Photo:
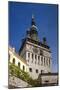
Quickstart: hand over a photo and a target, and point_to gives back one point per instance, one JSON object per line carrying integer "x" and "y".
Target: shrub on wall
{"x": 16, "y": 71}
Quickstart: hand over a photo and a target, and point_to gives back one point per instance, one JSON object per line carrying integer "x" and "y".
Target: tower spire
{"x": 33, "y": 20}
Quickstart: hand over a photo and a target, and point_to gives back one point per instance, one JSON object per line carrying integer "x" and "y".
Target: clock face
{"x": 29, "y": 47}
{"x": 35, "y": 50}
{"x": 41, "y": 52}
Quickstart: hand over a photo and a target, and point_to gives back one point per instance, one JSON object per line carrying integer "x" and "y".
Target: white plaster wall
{"x": 34, "y": 66}
{"x": 17, "y": 60}
{"x": 46, "y": 68}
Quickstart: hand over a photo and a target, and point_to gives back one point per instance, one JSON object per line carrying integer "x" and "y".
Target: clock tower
{"x": 36, "y": 53}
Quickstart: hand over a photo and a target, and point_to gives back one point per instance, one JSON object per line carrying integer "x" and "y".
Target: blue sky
{"x": 46, "y": 18}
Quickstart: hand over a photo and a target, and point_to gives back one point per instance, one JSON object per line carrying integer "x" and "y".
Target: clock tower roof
{"x": 32, "y": 36}
{"x": 33, "y": 33}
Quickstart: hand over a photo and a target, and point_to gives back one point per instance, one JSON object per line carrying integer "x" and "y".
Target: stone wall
{"x": 17, "y": 83}
{"x": 49, "y": 78}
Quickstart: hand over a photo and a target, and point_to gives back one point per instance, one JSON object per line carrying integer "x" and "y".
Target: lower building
{"x": 45, "y": 79}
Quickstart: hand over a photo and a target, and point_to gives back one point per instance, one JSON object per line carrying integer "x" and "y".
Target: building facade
{"x": 36, "y": 53}
{"x": 34, "y": 57}
{"x": 17, "y": 60}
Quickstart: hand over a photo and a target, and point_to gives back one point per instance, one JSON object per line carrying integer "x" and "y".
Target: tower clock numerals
{"x": 29, "y": 47}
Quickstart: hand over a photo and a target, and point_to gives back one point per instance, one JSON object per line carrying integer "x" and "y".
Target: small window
{"x": 28, "y": 55}
{"x": 23, "y": 68}
{"x": 19, "y": 64}
{"x": 46, "y": 81}
{"x": 38, "y": 57}
{"x": 30, "y": 69}
{"x": 42, "y": 71}
{"x": 8, "y": 56}
{"x": 32, "y": 55}
{"x": 41, "y": 60}
{"x": 13, "y": 60}
{"x": 44, "y": 60}
{"x": 35, "y": 56}
{"x": 36, "y": 70}
{"x": 49, "y": 61}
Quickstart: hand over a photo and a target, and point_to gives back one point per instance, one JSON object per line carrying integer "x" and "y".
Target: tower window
{"x": 35, "y": 56}
{"x": 28, "y": 55}
{"x": 49, "y": 61}
{"x": 32, "y": 55}
{"x": 42, "y": 71}
{"x": 41, "y": 60}
{"x": 38, "y": 57}
{"x": 13, "y": 60}
{"x": 19, "y": 64}
{"x": 44, "y": 60}
{"x": 36, "y": 70}
{"x": 30, "y": 69}
{"x": 8, "y": 56}
{"x": 23, "y": 68}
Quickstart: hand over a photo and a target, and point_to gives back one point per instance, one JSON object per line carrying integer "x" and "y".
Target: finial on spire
{"x": 32, "y": 16}
{"x": 33, "y": 20}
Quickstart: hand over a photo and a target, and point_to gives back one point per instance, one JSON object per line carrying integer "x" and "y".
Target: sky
{"x": 46, "y": 18}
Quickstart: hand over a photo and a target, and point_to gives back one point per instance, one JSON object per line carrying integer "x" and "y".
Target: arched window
{"x": 23, "y": 68}
{"x": 44, "y": 60}
{"x": 38, "y": 59}
{"x": 32, "y": 55}
{"x": 13, "y": 60}
{"x": 41, "y": 60}
{"x": 42, "y": 71}
{"x": 36, "y": 70}
{"x": 49, "y": 61}
{"x": 30, "y": 69}
{"x": 28, "y": 55}
{"x": 8, "y": 56}
{"x": 35, "y": 56}
{"x": 19, "y": 64}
